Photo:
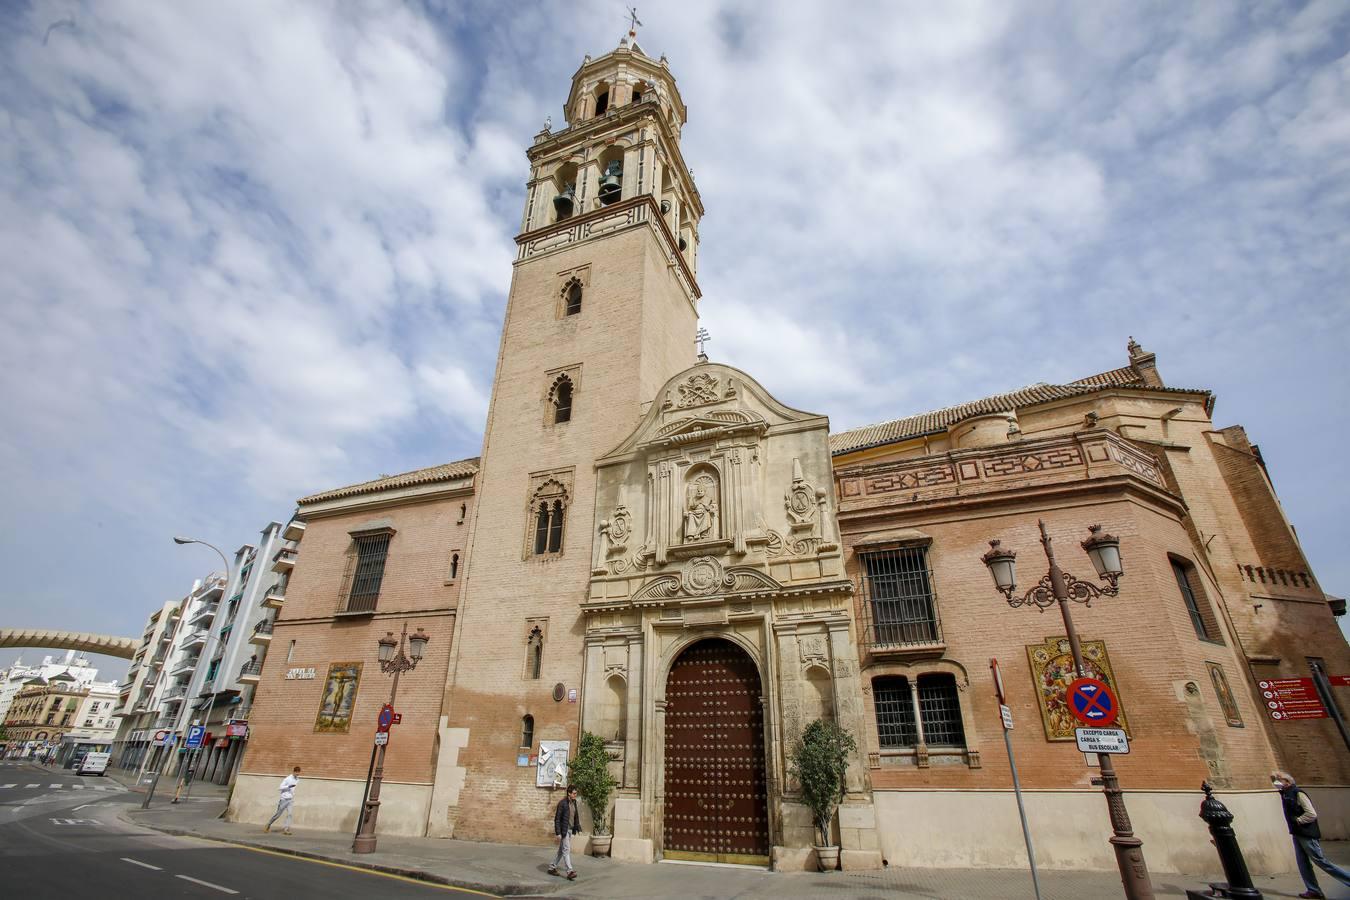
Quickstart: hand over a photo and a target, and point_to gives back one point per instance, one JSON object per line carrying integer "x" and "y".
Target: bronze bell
{"x": 565, "y": 202}
{"x": 683, "y": 246}
{"x": 611, "y": 184}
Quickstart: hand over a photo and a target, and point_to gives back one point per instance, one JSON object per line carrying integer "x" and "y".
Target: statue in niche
{"x": 700, "y": 512}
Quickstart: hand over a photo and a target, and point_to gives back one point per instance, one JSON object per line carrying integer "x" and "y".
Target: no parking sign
{"x": 1092, "y": 703}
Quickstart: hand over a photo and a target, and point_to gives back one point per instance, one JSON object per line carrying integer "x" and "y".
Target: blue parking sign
{"x": 195, "y": 735}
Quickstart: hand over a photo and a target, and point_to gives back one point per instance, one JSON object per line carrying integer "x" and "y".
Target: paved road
{"x": 60, "y": 836}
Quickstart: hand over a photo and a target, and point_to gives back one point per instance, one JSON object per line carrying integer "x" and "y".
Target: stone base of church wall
{"x": 1069, "y": 830}
{"x": 331, "y": 804}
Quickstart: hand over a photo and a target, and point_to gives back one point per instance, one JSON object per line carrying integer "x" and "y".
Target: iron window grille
{"x": 372, "y": 552}
{"x": 900, "y": 607}
{"x": 940, "y": 711}
{"x": 895, "y": 712}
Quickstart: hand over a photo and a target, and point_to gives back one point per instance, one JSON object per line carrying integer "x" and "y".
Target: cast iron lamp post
{"x": 1059, "y": 587}
{"x": 392, "y": 660}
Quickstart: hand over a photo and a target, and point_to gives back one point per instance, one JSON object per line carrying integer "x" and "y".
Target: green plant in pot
{"x": 589, "y": 772}
{"x": 819, "y": 763}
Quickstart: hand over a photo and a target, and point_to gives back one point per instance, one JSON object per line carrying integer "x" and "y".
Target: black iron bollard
{"x": 1220, "y": 822}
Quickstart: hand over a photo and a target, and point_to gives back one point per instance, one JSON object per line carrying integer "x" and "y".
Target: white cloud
{"x": 248, "y": 251}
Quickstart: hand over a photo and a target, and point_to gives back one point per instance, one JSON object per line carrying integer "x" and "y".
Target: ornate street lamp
{"x": 1059, "y": 587}
{"x": 392, "y": 661}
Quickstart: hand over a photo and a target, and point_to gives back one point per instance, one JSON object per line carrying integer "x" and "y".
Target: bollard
{"x": 1220, "y": 822}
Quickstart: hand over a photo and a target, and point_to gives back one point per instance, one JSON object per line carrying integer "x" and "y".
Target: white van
{"x": 95, "y": 764}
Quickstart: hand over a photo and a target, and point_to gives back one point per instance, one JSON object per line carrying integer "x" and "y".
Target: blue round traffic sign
{"x": 1091, "y": 702}
{"x": 386, "y": 717}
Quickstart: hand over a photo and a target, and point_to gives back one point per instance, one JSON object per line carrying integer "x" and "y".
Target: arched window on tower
{"x": 601, "y": 98}
{"x": 561, "y": 398}
{"x": 555, "y": 527}
{"x": 572, "y": 298}
{"x": 534, "y": 654}
{"x": 526, "y": 731}
{"x": 548, "y": 508}
{"x": 541, "y": 530}
{"x": 454, "y": 566}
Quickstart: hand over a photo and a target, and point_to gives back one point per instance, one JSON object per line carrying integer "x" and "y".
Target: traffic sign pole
{"x": 1324, "y": 689}
{"x": 1006, "y": 723}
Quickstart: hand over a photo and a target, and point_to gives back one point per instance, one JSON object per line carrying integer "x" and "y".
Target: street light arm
{"x": 1042, "y": 596}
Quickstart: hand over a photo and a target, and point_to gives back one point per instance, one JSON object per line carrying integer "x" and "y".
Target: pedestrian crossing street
{"x": 107, "y": 788}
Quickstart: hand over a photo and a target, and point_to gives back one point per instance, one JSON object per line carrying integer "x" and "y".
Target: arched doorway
{"x": 715, "y": 793}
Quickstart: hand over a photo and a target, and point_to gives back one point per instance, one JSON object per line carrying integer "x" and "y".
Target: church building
{"x": 654, "y": 549}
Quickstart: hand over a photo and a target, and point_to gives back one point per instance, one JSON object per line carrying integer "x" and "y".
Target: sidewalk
{"x": 512, "y": 870}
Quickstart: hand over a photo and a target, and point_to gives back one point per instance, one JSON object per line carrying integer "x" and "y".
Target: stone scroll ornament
{"x": 700, "y": 514}
{"x": 699, "y": 389}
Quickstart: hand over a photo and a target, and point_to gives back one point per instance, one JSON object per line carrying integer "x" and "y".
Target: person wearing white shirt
{"x": 286, "y": 803}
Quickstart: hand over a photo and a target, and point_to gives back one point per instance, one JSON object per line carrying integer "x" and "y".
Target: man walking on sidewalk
{"x": 566, "y": 822}
{"x": 1302, "y": 820}
{"x": 286, "y": 803}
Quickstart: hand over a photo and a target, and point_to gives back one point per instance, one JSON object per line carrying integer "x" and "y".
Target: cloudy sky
{"x": 253, "y": 250}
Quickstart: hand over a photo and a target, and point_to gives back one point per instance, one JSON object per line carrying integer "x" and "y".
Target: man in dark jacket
{"x": 566, "y": 822}
{"x": 1302, "y": 819}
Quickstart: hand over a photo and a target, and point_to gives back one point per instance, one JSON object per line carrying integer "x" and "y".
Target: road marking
{"x": 32, "y": 785}
{"x": 335, "y": 865}
{"x": 77, "y": 787}
{"x": 9, "y": 785}
{"x": 137, "y": 862}
{"x": 223, "y": 890}
{"x": 83, "y": 806}
{"x": 57, "y": 785}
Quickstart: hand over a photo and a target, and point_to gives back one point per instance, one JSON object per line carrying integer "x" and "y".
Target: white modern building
{"x": 233, "y": 638}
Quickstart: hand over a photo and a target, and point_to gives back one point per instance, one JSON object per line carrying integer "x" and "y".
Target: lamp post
{"x": 206, "y": 649}
{"x": 392, "y": 661}
{"x": 1058, "y": 587}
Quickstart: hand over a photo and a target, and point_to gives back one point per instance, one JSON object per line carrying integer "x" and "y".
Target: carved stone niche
{"x": 702, "y": 514}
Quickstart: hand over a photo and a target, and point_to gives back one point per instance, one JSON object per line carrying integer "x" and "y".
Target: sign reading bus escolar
{"x": 1102, "y": 740}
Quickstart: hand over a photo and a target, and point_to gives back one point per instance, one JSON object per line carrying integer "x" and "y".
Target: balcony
{"x": 195, "y": 640}
{"x": 275, "y": 596}
{"x": 175, "y": 692}
{"x": 262, "y": 633}
{"x": 284, "y": 561}
{"x": 294, "y": 531}
{"x": 185, "y": 666}
{"x": 250, "y": 673}
{"x": 204, "y": 614}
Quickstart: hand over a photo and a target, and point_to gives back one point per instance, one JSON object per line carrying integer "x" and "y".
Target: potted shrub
{"x": 589, "y": 773}
{"x": 819, "y": 761}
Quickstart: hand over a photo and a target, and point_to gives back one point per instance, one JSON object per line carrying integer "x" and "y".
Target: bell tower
{"x": 602, "y": 311}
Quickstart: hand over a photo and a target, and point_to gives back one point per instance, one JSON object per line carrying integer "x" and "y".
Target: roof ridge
{"x": 439, "y": 472}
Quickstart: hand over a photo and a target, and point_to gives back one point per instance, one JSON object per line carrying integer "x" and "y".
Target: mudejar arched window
{"x": 562, "y": 400}
{"x": 548, "y": 511}
{"x": 572, "y": 298}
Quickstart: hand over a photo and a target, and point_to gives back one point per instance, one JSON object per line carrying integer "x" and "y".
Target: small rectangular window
{"x": 895, "y": 713}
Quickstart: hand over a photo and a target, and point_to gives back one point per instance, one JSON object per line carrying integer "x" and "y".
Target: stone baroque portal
{"x": 719, "y": 608}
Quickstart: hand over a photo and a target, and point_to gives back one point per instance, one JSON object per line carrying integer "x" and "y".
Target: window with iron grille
{"x": 1197, "y": 607}
{"x": 895, "y": 712}
{"x": 372, "y": 551}
{"x": 940, "y": 711}
{"x": 901, "y": 607}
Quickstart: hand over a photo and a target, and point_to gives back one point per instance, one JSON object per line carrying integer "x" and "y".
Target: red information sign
{"x": 1339, "y": 680}
{"x": 1291, "y": 698}
{"x": 1092, "y": 703}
